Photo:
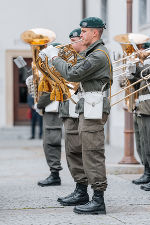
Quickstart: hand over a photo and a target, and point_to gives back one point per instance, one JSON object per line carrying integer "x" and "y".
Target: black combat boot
{"x": 145, "y": 187}
{"x": 95, "y": 206}
{"x": 145, "y": 178}
{"x": 60, "y": 199}
{"x": 78, "y": 197}
{"x": 52, "y": 180}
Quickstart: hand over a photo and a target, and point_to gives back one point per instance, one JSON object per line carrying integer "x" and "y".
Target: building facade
{"x": 61, "y": 17}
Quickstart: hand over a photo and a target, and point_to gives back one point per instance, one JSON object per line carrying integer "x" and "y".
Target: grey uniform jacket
{"x": 93, "y": 72}
{"x": 144, "y": 106}
{"x": 64, "y": 106}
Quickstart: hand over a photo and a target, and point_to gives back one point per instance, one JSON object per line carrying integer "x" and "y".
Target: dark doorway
{"x": 20, "y": 94}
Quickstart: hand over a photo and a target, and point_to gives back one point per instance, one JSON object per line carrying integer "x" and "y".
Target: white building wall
{"x": 93, "y": 8}
{"x": 16, "y": 16}
{"x": 62, "y": 16}
{"x": 117, "y": 25}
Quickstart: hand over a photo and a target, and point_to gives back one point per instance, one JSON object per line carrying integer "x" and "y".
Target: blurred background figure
{"x": 35, "y": 118}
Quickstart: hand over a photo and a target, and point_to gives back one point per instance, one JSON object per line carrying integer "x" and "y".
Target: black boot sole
{"x": 145, "y": 189}
{"x": 140, "y": 183}
{"x": 73, "y": 203}
{"x": 46, "y": 185}
{"x": 90, "y": 213}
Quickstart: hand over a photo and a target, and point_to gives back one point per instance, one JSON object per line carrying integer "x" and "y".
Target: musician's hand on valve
{"x": 39, "y": 111}
{"x": 42, "y": 55}
{"x": 130, "y": 69}
{"x": 142, "y": 55}
{"x": 51, "y": 52}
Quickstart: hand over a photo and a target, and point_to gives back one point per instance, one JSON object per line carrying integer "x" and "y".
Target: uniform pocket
{"x": 71, "y": 124}
{"x": 53, "y": 136}
{"x": 73, "y": 142}
{"x": 93, "y": 140}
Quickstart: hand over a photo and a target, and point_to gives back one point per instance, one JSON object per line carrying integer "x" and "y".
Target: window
{"x": 142, "y": 12}
{"x": 104, "y": 10}
{"x": 104, "y": 16}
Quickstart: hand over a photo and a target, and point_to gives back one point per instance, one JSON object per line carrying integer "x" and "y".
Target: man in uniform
{"x": 94, "y": 73}
{"x": 52, "y": 134}
{"x": 73, "y": 146}
{"x": 143, "y": 122}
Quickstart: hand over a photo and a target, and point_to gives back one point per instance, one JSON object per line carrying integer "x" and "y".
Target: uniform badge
{"x": 84, "y": 24}
{"x": 75, "y": 34}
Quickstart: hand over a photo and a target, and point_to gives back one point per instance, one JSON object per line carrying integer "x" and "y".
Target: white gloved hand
{"x": 39, "y": 111}
{"x": 50, "y": 52}
{"x": 30, "y": 85}
{"x": 42, "y": 55}
{"x": 29, "y": 80}
{"x": 130, "y": 68}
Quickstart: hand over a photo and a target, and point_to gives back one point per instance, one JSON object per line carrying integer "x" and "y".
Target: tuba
{"x": 38, "y": 39}
{"x": 130, "y": 43}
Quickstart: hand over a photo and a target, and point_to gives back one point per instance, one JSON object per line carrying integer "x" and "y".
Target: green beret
{"x": 75, "y": 33}
{"x": 55, "y": 44}
{"x": 92, "y": 22}
{"x": 146, "y": 45}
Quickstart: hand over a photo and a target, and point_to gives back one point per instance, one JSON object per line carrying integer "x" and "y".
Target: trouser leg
{"x": 146, "y": 135}
{"x": 52, "y": 135}
{"x": 40, "y": 120}
{"x": 138, "y": 136}
{"x": 141, "y": 135}
{"x": 92, "y": 137}
{"x": 73, "y": 150}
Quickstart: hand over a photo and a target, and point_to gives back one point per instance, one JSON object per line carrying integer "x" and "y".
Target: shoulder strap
{"x": 109, "y": 66}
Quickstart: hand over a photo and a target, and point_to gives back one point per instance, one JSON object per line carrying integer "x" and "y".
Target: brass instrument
{"x": 61, "y": 89}
{"x": 128, "y": 48}
{"x": 130, "y": 86}
{"x": 38, "y": 38}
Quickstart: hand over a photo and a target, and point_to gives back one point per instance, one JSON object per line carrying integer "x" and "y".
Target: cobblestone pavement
{"x": 22, "y": 202}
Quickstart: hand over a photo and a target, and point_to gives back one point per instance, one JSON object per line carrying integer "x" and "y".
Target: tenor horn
{"x": 61, "y": 89}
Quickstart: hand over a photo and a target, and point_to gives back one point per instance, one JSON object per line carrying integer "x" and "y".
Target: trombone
{"x": 130, "y": 56}
{"x": 130, "y": 86}
{"x": 128, "y": 43}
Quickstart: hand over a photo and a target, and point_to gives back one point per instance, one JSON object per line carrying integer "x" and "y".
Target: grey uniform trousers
{"x": 146, "y": 134}
{"x": 52, "y": 134}
{"x": 139, "y": 138}
{"x": 73, "y": 150}
{"x": 87, "y": 163}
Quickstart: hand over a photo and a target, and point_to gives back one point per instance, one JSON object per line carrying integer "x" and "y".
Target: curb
{"x": 124, "y": 169}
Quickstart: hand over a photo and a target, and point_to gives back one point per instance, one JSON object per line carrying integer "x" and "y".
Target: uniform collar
{"x": 98, "y": 42}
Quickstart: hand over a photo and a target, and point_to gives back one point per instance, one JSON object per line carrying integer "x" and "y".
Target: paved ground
{"x": 22, "y": 202}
